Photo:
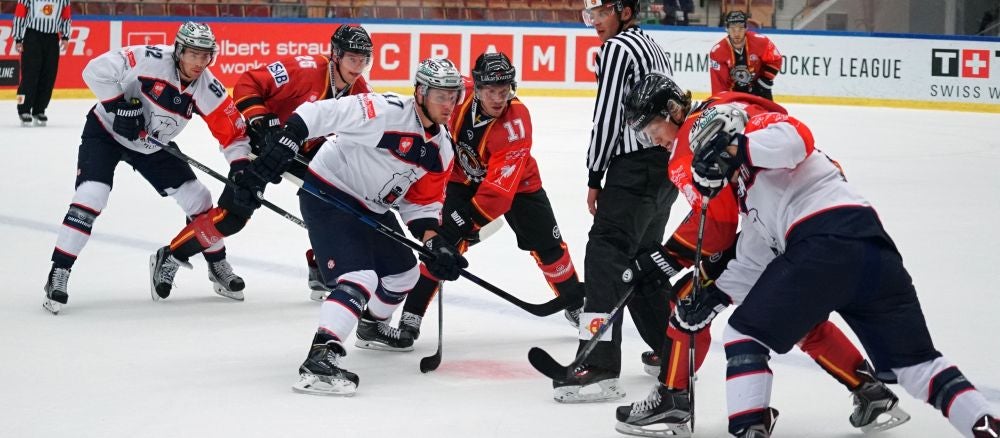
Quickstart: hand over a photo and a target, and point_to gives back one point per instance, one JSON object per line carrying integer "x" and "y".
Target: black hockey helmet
{"x": 655, "y": 95}
{"x": 351, "y": 38}
{"x": 494, "y": 69}
{"x": 735, "y": 17}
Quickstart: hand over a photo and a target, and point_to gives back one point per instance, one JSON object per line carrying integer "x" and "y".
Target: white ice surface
{"x": 116, "y": 364}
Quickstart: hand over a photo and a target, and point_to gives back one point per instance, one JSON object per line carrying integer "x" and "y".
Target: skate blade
{"x": 231, "y": 294}
{"x": 39, "y": 123}
{"x": 373, "y": 345}
{"x": 314, "y": 385}
{"x": 318, "y": 295}
{"x": 655, "y": 430}
{"x": 152, "y": 284}
{"x": 887, "y": 420}
{"x": 604, "y": 390}
{"x": 52, "y": 306}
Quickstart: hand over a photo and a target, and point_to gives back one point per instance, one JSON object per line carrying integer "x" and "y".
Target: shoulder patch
{"x": 129, "y": 56}
{"x": 367, "y": 106}
{"x": 278, "y": 73}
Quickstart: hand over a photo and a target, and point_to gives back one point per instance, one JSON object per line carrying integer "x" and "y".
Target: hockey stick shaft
{"x": 172, "y": 149}
{"x": 432, "y": 362}
{"x": 695, "y": 290}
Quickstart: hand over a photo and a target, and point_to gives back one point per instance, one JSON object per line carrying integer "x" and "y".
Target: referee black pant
{"x": 39, "y": 63}
{"x": 632, "y": 213}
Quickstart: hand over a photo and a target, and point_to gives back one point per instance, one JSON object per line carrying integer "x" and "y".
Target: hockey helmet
{"x": 494, "y": 69}
{"x": 351, "y": 38}
{"x": 655, "y": 95}
{"x": 438, "y": 73}
{"x": 735, "y": 17}
{"x": 590, "y": 6}
{"x": 195, "y": 36}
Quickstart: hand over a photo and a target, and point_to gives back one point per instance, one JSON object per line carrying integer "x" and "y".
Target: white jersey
{"x": 149, "y": 74}
{"x": 380, "y": 153}
{"x": 783, "y": 182}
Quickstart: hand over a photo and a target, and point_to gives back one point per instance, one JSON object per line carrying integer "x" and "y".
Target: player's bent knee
{"x": 192, "y": 196}
{"x": 92, "y": 195}
{"x": 403, "y": 281}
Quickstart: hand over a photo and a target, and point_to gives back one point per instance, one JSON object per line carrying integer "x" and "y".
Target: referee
{"x": 631, "y": 207}
{"x": 38, "y": 25}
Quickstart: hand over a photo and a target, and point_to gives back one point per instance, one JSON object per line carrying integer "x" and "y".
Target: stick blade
{"x": 430, "y": 363}
{"x": 542, "y": 361}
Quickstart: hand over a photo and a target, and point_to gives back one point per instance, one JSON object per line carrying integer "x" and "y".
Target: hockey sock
{"x": 748, "y": 380}
{"x": 89, "y": 200}
{"x": 943, "y": 386}
{"x": 831, "y": 349}
{"x": 422, "y": 294}
{"x": 340, "y": 312}
{"x": 557, "y": 267}
{"x": 674, "y": 365}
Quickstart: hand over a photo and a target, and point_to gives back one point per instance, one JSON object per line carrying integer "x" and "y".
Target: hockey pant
{"x": 533, "y": 222}
{"x": 98, "y": 156}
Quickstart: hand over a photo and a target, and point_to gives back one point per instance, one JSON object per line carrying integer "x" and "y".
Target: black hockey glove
{"x": 247, "y": 186}
{"x": 447, "y": 262}
{"x": 129, "y": 121}
{"x": 713, "y": 165}
{"x": 763, "y": 89}
{"x": 260, "y": 127}
{"x": 694, "y": 315}
{"x": 651, "y": 270}
{"x": 278, "y": 152}
{"x": 457, "y": 226}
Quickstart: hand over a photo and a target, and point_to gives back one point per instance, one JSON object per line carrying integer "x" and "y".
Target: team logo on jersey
{"x": 330, "y": 264}
{"x": 130, "y": 56}
{"x": 741, "y": 75}
{"x": 190, "y": 109}
{"x": 278, "y": 73}
{"x": 157, "y": 90}
{"x": 405, "y": 143}
{"x": 595, "y": 325}
{"x": 715, "y": 65}
{"x": 47, "y": 10}
{"x": 556, "y": 233}
{"x": 754, "y": 57}
{"x": 367, "y": 106}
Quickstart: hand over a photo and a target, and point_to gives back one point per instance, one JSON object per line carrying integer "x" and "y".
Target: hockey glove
{"x": 247, "y": 186}
{"x": 278, "y": 152}
{"x": 260, "y": 127}
{"x": 652, "y": 270}
{"x": 445, "y": 262}
{"x": 457, "y": 226}
{"x": 713, "y": 164}
{"x": 129, "y": 121}
{"x": 695, "y": 314}
{"x": 762, "y": 88}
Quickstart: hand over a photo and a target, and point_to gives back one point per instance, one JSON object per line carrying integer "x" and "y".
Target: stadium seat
{"x": 256, "y": 8}
{"x": 499, "y": 10}
{"x": 456, "y": 10}
{"x": 410, "y": 9}
{"x": 433, "y": 9}
{"x": 152, "y": 9}
{"x": 206, "y": 8}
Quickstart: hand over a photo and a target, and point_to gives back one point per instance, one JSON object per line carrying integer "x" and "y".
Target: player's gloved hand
{"x": 445, "y": 262}
{"x": 651, "y": 270}
{"x": 762, "y": 88}
{"x": 457, "y": 225}
{"x": 695, "y": 314}
{"x": 718, "y": 128}
{"x": 129, "y": 121}
{"x": 247, "y": 185}
{"x": 260, "y": 126}
{"x": 278, "y": 152}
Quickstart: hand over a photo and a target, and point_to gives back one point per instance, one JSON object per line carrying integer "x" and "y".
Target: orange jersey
{"x": 495, "y": 154}
{"x": 732, "y": 71}
{"x": 723, "y": 212}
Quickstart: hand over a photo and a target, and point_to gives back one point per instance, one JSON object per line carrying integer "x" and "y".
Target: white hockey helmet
{"x": 438, "y": 73}
{"x": 196, "y": 36}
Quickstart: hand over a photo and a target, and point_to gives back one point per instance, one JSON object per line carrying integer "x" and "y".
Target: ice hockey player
{"x": 389, "y": 151}
{"x": 659, "y": 107}
{"x": 495, "y": 175}
{"x": 744, "y": 60}
{"x": 267, "y": 96}
{"x": 813, "y": 246}
{"x": 147, "y": 90}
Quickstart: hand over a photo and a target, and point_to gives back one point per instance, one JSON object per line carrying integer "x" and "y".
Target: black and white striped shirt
{"x": 45, "y": 16}
{"x": 624, "y": 59}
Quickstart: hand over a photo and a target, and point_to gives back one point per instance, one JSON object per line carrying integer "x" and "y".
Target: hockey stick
{"x": 545, "y": 309}
{"x": 695, "y": 290}
{"x": 432, "y": 362}
{"x": 172, "y": 149}
{"x": 545, "y": 364}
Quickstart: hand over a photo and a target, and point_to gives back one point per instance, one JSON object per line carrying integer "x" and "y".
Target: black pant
{"x": 39, "y": 63}
{"x": 632, "y": 213}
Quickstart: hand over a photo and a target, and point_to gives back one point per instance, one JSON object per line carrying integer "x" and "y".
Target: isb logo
{"x": 966, "y": 63}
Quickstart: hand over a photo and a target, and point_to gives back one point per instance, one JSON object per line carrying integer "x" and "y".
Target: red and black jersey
{"x": 495, "y": 155}
{"x": 733, "y": 70}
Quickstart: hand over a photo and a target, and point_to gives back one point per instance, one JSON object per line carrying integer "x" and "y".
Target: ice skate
{"x": 162, "y": 269}
{"x": 321, "y": 375}
{"x": 876, "y": 408}
{"x": 986, "y": 427}
{"x": 316, "y": 285}
{"x": 379, "y": 335}
{"x": 587, "y": 384}
{"x": 55, "y": 290}
{"x": 651, "y": 363}
{"x": 25, "y": 119}
{"x": 409, "y": 325}
{"x": 573, "y": 316}
{"x": 761, "y": 430}
{"x": 224, "y": 281}
{"x": 41, "y": 119}
{"x": 664, "y": 413}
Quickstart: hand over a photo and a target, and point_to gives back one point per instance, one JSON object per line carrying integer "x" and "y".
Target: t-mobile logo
{"x": 964, "y": 63}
